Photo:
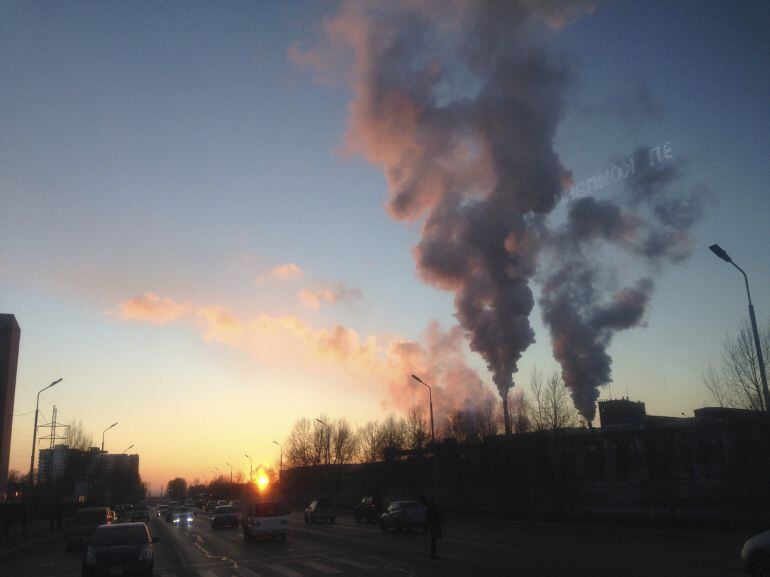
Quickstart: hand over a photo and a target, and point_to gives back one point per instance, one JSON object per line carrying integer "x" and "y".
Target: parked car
{"x": 367, "y": 510}
{"x": 236, "y": 504}
{"x": 84, "y": 523}
{"x": 210, "y": 506}
{"x": 755, "y": 555}
{"x": 226, "y": 516}
{"x": 140, "y": 513}
{"x": 269, "y": 519}
{"x": 183, "y": 516}
{"x": 404, "y": 515}
{"x": 320, "y": 509}
{"x": 119, "y": 549}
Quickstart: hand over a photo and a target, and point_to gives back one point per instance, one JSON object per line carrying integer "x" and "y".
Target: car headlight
{"x": 146, "y": 554}
{"x": 176, "y": 520}
{"x": 90, "y": 559}
{"x": 189, "y": 518}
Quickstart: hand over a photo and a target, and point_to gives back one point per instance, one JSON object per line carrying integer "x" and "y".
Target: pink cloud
{"x": 312, "y": 299}
{"x": 151, "y": 308}
{"x": 286, "y": 271}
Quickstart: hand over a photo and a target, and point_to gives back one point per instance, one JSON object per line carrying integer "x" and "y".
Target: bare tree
{"x": 393, "y": 434}
{"x": 77, "y": 437}
{"x": 300, "y": 450}
{"x": 552, "y": 408}
{"x": 736, "y": 382}
{"x": 417, "y": 434}
{"x": 519, "y": 409}
{"x": 343, "y": 442}
{"x": 369, "y": 442}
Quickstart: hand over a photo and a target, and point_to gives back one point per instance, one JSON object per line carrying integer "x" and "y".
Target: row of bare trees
{"x": 324, "y": 441}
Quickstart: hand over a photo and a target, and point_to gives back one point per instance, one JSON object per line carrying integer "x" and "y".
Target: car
{"x": 222, "y": 502}
{"x": 404, "y": 515}
{"x": 265, "y": 519}
{"x": 139, "y": 513}
{"x": 755, "y": 555}
{"x": 236, "y": 504}
{"x": 119, "y": 549}
{"x": 320, "y": 509}
{"x": 210, "y": 506}
{"x": 84, "y": 523}
{"x": 183, "y": 516}
{"x": 169, "y": 514}
{"x": 368, "y": 509}
{"x": 225, "y": 516}
{"x": 161, "y": 511}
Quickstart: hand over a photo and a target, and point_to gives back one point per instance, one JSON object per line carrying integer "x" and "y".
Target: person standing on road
{"x": 434, "y": 525}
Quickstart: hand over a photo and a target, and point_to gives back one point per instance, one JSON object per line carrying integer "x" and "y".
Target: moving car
{"x": 84, "y": 523}
{"x": 269, "y": 519}
{"x": 210, "y": 506}
{"x": 237, "y": 504}
{"x": 320, "y": 509}
{"x": 139, "y": 513}
{"x": 183, "y": 516}
{"x": 224, "y": 517}
{"x": 368, "y": 509}
{"x": 119, "y": 549}
{"x": 404, "y": 515}
{"x": 755, "y": 555}
{"x": 162, "y": 510}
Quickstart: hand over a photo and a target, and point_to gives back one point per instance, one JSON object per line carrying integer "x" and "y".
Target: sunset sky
{"x": 188, "y": 238}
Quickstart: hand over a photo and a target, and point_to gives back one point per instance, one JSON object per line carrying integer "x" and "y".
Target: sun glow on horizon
{"x": 262, "y": 480}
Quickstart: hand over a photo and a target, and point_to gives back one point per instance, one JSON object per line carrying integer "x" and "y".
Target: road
{"x": 468, "y": 549}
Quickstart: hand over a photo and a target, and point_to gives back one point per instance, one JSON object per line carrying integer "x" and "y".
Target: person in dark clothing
{"x": 434, "y": 525}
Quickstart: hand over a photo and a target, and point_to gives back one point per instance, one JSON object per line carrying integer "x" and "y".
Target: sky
{"x": 188, "y": 239}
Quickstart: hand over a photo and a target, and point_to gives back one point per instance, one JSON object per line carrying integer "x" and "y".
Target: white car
{"x": 269, "y": 519}
{"x": 755, "y": 555}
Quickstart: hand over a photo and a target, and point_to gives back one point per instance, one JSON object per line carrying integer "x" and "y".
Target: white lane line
{"x": 320, "y": 567}
{"x": 285, "y": 571}
{"x": 351, "y": 563}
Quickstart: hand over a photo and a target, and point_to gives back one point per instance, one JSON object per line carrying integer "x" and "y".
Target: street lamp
{"x": 34, "y": 439}
{"x": 251, "y": 468}
{"x": 127, "y": 448}
{"x": 719, "y": 251}
{"x": 280, "y": 462}
{"x": 430, "y": 397}
{"x": 328, "y": 438}
{"x": 231, "y": 472}
{"x": 104, "y": 431}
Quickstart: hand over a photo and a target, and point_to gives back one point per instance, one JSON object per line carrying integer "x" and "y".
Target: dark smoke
{"x": 648, "y": 222}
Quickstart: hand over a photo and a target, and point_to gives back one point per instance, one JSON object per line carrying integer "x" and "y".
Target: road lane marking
{"x": 320, "y": 567}
{"x": 351, "y": 563}
{"x": 285, "y": 571}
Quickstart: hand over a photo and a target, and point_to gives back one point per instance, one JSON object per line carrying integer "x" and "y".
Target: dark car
{"x": 84, "y": 523}
{"x": 183, "y": 516}
{"x": 162, "y": 510}
{"x": 404, "y": 515}
{"x": 226, "y": 516}
{"x": 320, "y": 509}
{"x": 367, "y": 510}
{"x": 169, "y": 514}
{"x": 139, "y": 513}
{"x": 119, "y": 549}
{"x": 755, "y": 555}
{"x": 211, "y": 506}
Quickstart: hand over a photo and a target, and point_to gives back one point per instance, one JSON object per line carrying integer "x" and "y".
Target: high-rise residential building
{"x": 9, "y": 356}
{"x": 52, "y": 464}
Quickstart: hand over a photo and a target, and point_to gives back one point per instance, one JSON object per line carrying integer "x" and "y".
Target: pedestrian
{"x": 434, "y": 525}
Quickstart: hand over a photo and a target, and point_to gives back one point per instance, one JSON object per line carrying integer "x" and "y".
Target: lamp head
{"x": 719, "y": 251}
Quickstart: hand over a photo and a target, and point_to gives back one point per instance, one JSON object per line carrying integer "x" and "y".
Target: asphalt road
{"x": 469, "y": 549}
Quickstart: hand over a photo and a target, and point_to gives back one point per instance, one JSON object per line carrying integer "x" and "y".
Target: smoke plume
{"x": 459, "y": 105}
{"x": 646, "y": 224}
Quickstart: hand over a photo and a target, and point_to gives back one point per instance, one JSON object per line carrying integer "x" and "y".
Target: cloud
{"x": 286, "y": 271}
{"x": 381, "y": 363}
{"x": 312, "y": 299}
{"x": 152, "y": 309}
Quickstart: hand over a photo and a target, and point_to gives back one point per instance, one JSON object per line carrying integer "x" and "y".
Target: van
{"x": 84, "y": 523}
{"x": 266, "y": 519}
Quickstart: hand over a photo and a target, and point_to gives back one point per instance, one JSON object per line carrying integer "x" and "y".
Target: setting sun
{"x": 262, "y": 480}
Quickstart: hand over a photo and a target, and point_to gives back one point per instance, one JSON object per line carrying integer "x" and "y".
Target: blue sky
{"x": 175, "y": 149}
